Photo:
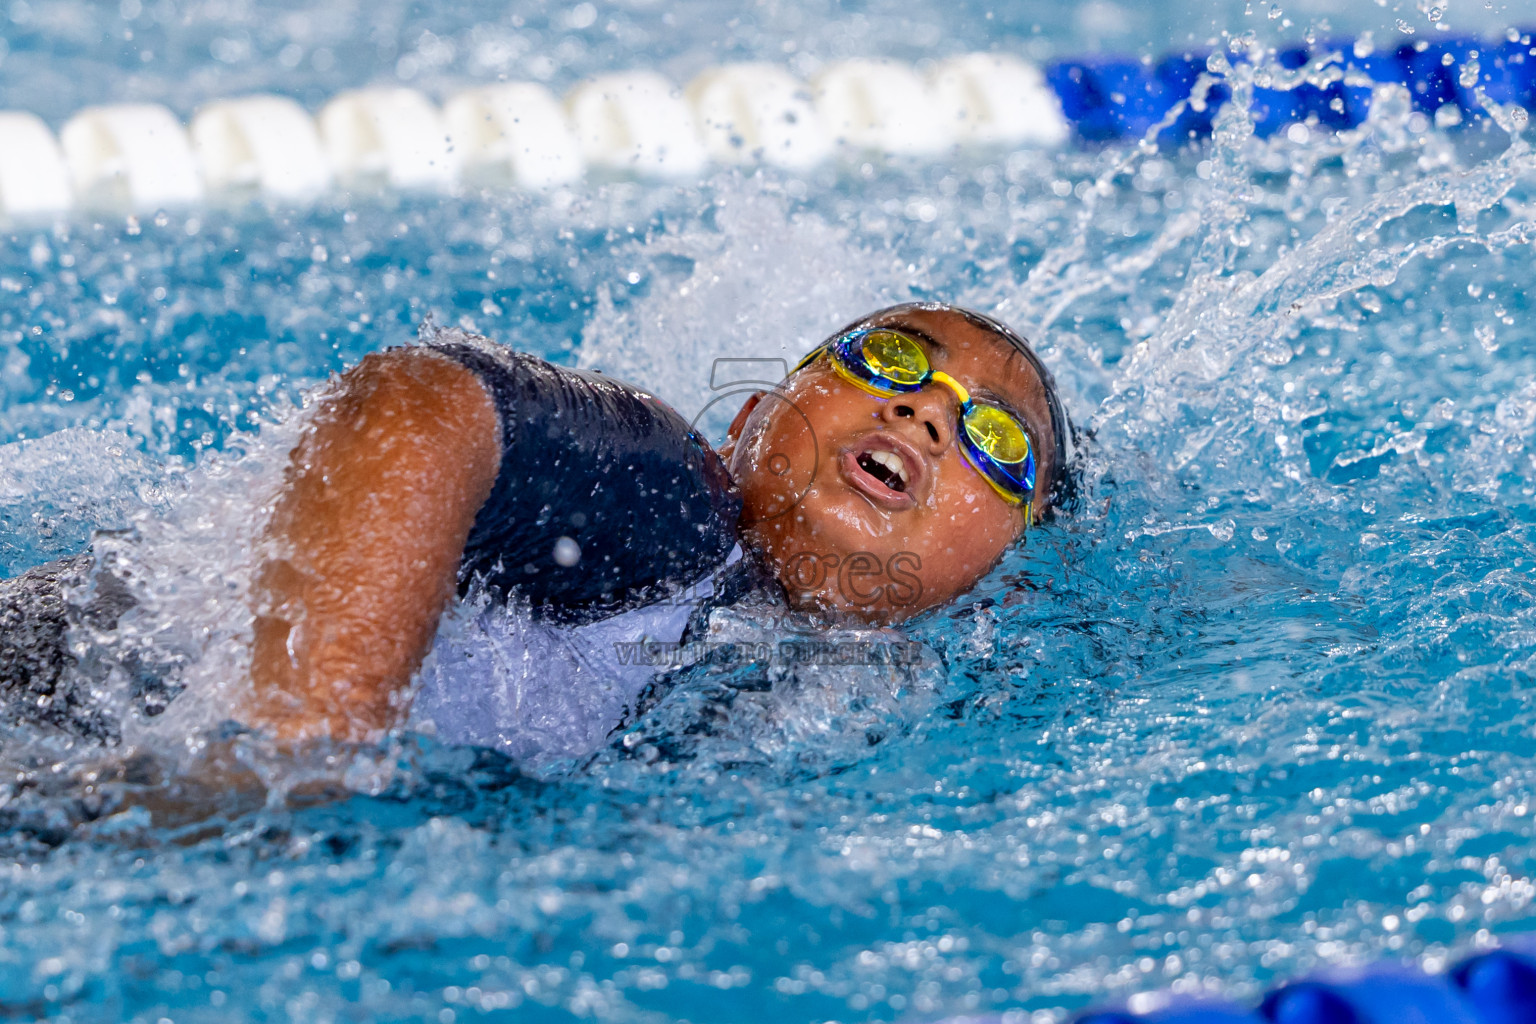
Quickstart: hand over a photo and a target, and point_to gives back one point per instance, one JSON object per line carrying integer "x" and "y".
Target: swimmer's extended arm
{"x": 366, "y": 541}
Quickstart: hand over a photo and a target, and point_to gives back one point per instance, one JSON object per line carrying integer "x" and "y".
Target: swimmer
{"x": 884, "y": 476}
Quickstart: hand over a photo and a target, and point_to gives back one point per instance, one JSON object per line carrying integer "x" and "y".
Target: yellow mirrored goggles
{"x": 889, "y": 362}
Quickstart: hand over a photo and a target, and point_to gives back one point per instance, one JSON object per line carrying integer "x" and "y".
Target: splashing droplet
{"x": 567, "y": 552}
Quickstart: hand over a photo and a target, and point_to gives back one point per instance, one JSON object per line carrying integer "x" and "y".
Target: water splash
{"x": 1261, "y": 701}
{"x": 739, "y": 295}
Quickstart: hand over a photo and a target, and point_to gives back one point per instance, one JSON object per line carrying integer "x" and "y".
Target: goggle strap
{"x": 806, "y": 360}
{"x": 955, "y": 386}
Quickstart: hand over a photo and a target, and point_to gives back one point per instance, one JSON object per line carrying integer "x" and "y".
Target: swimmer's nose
{"x": 931, "y": 411}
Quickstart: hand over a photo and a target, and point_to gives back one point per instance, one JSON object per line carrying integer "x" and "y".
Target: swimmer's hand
{"x": 365, "y": 543}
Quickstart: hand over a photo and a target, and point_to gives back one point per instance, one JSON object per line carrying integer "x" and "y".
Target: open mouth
{"x": 885, "y": 469}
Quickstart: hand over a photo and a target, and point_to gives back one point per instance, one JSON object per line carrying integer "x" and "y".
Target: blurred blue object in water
{"x": 1382, "y": 994}
{"x": 1501, "y": 983}
{"x": 1179, "y": 73}
{"x": 1442, "y": 73}
{"x": 1177, "y": 1012}
{"x": 1109, "y": 98}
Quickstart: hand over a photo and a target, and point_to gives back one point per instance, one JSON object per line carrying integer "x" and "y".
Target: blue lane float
{"x": 1109, "y": 98}
{"x": 1495, "y": 987}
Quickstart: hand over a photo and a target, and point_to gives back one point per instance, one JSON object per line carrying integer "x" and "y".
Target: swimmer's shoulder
{"x": 604, "y": 496}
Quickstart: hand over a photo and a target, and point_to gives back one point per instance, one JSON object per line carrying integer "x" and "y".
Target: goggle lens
{"x": 997, "y": 433}
{"x": 896, "y": 358}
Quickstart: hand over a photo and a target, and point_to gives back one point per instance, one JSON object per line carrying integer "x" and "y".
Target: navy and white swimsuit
{"x": 534, "y": 663}
{"x": 598, "y": 463}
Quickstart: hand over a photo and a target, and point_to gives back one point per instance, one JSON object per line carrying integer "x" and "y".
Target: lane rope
{"x": 139, "y": 157}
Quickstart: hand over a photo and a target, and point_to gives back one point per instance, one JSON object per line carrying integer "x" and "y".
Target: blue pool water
{"x": 1263, "y": 701}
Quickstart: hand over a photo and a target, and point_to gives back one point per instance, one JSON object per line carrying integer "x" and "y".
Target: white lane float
{"x": 758, "y": 112}
{"x": 513, "y": 133}
{"x": 519, "y": 134}
{"x": 998, "y": 99}
{"x": 260, "y": 143}
{"x": 387, "y": 138}
{"x": 636, "y": 122}
{"x": 131, "y": 155}
{"x": 884, "y": 107}
{"x": 34, "y": 180}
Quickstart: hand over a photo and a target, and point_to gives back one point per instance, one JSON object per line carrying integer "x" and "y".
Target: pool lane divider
{"x": 1494, "y": 987}
{"x": 134, "y": 157}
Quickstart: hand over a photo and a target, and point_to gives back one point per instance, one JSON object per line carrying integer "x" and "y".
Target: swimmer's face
{"x": 841, "y": 540}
